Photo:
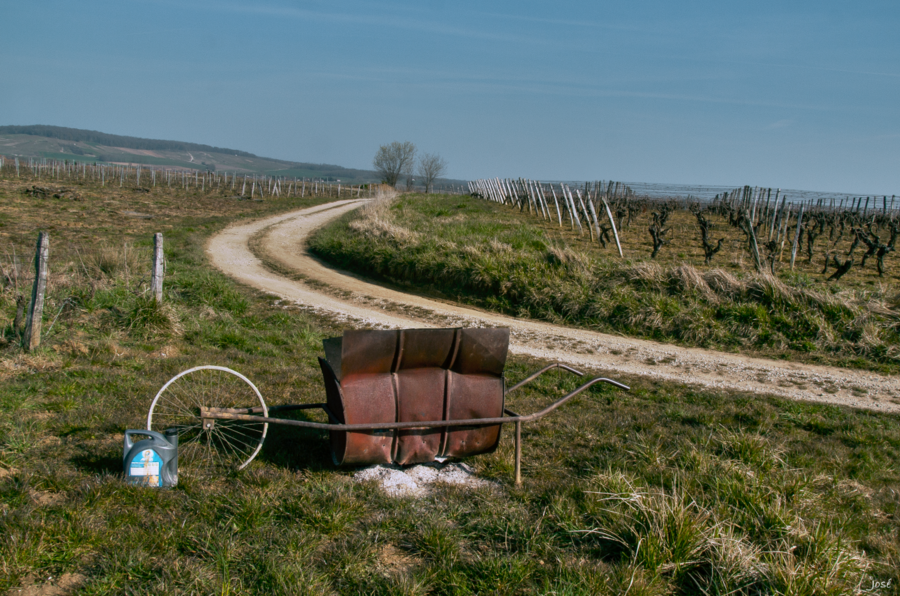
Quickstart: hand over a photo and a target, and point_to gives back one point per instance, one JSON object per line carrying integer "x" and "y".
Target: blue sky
{"x": 802, "y": 95}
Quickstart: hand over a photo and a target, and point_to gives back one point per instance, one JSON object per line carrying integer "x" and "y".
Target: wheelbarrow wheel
{"x": 209, "y": 444}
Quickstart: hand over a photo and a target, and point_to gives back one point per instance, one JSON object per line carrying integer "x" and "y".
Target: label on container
{"x": 145, "y": 469}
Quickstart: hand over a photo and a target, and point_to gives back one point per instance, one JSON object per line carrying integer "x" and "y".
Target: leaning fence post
{"x": 612, "y": 222}
{"x": 156, "y": 277}
{"x": 754, "y": 244}
{"x": 36, "y": 309}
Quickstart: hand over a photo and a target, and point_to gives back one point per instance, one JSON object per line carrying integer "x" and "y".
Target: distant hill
{"x": 73, "y": 144}
{"x": 101, "y": 138}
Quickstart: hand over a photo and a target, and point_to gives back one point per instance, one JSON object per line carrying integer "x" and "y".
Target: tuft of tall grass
{"x": 148, "y": 317}
{"x": 704, "y": 548}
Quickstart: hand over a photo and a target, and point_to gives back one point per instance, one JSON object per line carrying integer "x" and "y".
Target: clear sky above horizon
{"x": 800, "y": 95}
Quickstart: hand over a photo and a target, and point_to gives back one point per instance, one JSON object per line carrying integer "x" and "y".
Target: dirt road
{"x": 281, "y": 240}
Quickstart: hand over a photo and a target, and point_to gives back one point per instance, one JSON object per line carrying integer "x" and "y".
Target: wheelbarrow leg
{"x": 518, "y": 452}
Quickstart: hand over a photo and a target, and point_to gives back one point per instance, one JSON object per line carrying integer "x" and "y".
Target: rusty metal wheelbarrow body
{"x": 414, "y": 375}
{"x": 408, "y": 396}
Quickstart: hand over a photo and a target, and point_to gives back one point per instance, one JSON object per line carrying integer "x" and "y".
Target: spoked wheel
{"x": 209, "y": 444}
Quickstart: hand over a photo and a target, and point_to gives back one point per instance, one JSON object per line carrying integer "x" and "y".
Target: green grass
{"x": 661, "y": 490}
{"x": 497, "y": 258}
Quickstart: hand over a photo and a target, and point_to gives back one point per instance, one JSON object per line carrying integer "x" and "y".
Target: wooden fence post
{"x": 156, "y": 277}
{"x": 36, "y": 309}
{"x": 754, "y": 245}
{"x": 797, "y": 236}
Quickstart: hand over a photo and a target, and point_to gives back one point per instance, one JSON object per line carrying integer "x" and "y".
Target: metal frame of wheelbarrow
{"x": 510, "y": 417}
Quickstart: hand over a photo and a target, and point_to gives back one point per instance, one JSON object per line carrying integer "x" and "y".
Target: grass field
{"x": 497, "y": 258}
{"x": 660, "y": 490}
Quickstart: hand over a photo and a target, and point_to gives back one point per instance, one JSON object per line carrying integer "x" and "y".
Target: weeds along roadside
{"x": 493, "y": 257}
{"x": 660, "y": 490}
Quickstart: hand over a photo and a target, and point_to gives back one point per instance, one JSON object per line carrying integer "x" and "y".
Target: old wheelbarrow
{"x": 403, "y": 396}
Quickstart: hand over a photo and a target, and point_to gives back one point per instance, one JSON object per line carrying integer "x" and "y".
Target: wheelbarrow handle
{"x": 550, "y": 367}
{"x": 569, "y": 396}
{"x": 407, "y": 425}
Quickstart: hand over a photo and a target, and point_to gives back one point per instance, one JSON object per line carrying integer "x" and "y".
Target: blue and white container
{"x": 152, "y": 461}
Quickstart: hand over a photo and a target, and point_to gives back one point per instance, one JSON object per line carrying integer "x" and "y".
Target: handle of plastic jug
{"x": 143, "y": 433}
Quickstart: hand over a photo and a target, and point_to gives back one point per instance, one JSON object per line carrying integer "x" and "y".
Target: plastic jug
{"x": 152, "y": 461}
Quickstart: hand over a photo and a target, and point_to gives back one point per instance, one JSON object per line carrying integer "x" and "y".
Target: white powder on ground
{"x": 417, "y": 480}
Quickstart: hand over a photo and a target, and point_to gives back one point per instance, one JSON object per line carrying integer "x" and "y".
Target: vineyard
{"x": 833, "y": 234}
{"x": 732, "y": 274}
{"x": 233, "y": 185}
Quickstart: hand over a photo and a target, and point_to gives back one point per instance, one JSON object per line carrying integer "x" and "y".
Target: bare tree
{"x": 394, "y": 160}
{"x": 431, "y": 167}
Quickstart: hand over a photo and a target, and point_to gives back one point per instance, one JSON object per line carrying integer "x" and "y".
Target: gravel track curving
{"x": 281, "y": 240}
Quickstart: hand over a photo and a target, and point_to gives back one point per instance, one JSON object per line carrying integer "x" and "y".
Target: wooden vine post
{"x": 156, "y": 277}
{"x": 36, "y": 309}
{"x": 587, "y": 216}
{"x": 593, "y": 214}
{"x": 612, "y": 222}
{"x": 754, "y": 245}
{"x": 797, "y": 236}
